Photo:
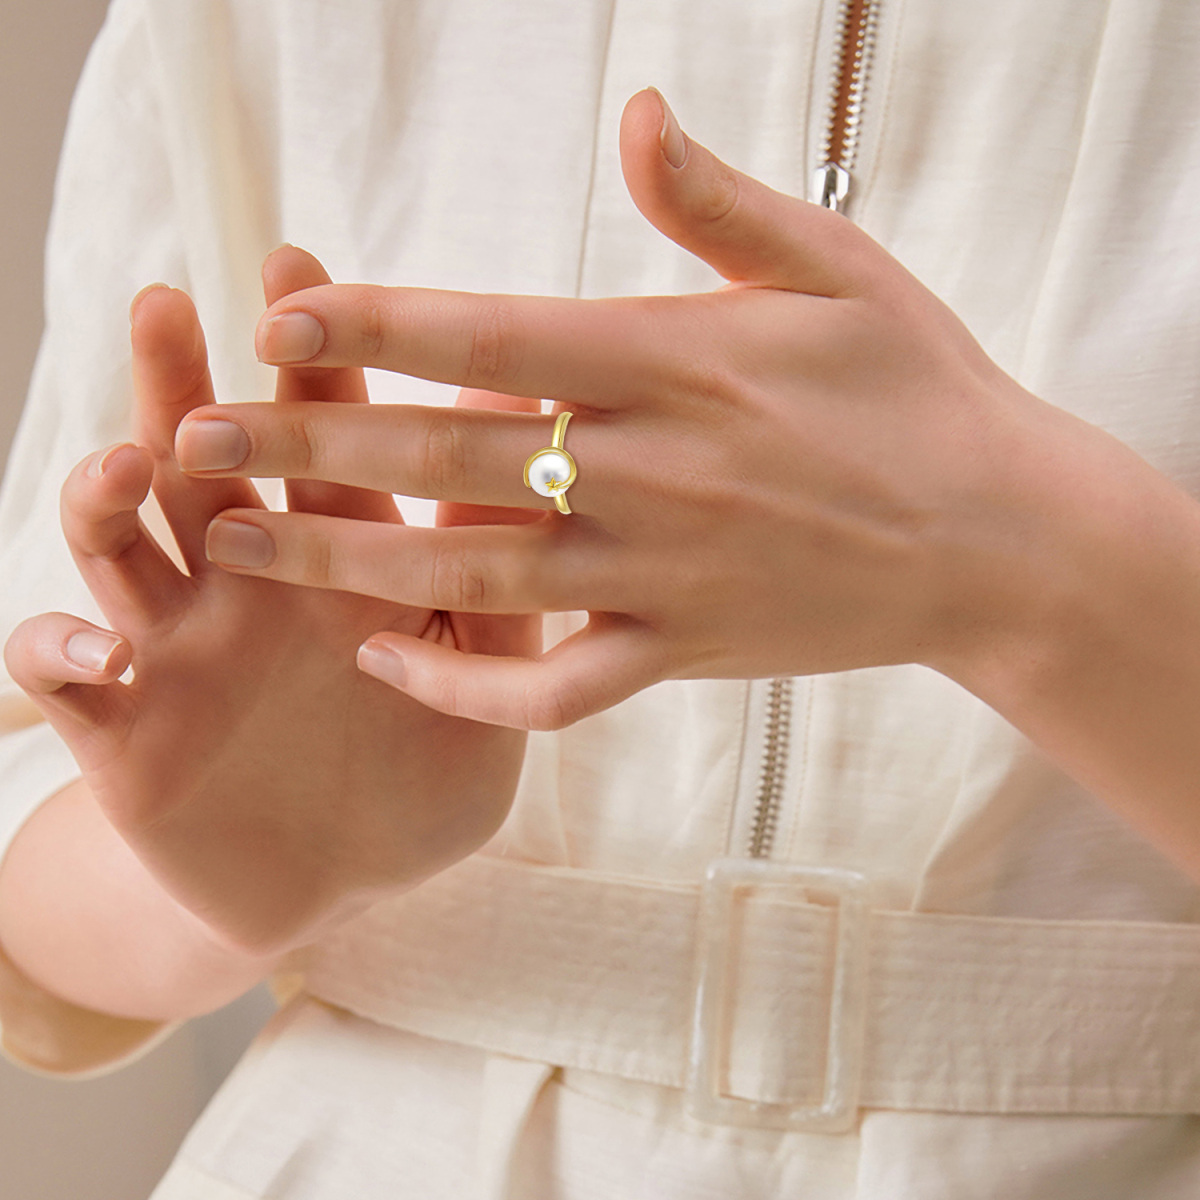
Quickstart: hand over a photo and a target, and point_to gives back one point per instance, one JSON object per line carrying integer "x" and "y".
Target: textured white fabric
{"x": 1035, "y": 163}
{"x": 959, "y": 1013}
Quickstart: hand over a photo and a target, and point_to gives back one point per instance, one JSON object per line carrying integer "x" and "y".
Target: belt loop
{"x": 838, "y": 1109}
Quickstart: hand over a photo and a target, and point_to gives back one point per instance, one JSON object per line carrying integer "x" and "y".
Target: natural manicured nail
{"x": 91, "y": 649}
{"x": 100, "y": 460}
{"x": 238, "y": 544}
{"x": 290, "y": 338}
{"x": 210, "y": 445}
{"x": 670, "y": 137}
{"x": 379, "y": 660}
{"x": 150, "y": 287}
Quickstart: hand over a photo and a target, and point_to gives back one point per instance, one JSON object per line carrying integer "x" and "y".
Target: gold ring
{"x": 551, "y": 470}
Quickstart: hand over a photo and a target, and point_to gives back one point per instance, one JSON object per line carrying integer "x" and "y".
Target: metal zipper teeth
{"x": 858, "y": 22}
{"x": 859, "y": 26}
{"x": 775, "y": 754}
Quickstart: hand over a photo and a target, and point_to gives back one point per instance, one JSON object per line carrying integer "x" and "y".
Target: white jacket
{"x": 1028, "y": 1023}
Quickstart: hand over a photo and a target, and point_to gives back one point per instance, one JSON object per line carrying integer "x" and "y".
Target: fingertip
{"x": 135, "y": 303}
{"x": 291, "y": 337}
{"x": 46, "y": 652}
{"x": 644, "y": 110}
{"x": 155, "y": 304}
{"x": 115, "y": 479}
{"x": 671, "y": 140}
{"x": 288, "y": 269}
{"x": 278, "y": 250}
{"x": 380, "y": 659}
{"x": 165, "y": 333}
{"x": 100, "y": 653}
{"x": 120, "y": 456}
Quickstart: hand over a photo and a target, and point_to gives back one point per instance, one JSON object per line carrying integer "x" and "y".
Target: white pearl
{"x": 546, "y": 469}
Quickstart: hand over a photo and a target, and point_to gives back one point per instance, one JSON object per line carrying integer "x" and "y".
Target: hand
{"x": 814, "y": 468}
{"x": 270, "y": 787}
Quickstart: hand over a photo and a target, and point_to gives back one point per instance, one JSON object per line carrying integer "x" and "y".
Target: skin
{"x": 813, "y": 468}
{"x": 270, "y": 788}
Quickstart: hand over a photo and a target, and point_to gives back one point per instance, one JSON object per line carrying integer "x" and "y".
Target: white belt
{"x": 770, "y": 1009}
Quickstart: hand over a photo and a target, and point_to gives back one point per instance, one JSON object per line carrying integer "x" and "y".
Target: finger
{"x": 745, "y": 230}
{"x": 170, "y": 377}
{"x": 475, "y": 456}
{"x": 605, "y": 353}
{"x": 594, "y": 668}
{"x": 471, "y": 568}
{"x": 71, "y": 669}
{"x": 286, "y": 270}
{"x": 127, "y": 571}
{"x": 453, "y": 512}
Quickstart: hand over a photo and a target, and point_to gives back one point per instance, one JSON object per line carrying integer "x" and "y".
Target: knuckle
{"x": 717, "y": 198}
{"x": 703, "y": 362}
{"x": 90, "y": 529}
{"x": 371, "y": 327}
{"x": 445, "y": 465}
{"x": 495, "y": 354}
{"x": 303, "y": 445}
{"x": 319, "y": 561}
{"x": 194, "y": 379}
{"x": 714, "y": 381}
{"x": 555, "y": 708}
{"x": 457, "y": 584}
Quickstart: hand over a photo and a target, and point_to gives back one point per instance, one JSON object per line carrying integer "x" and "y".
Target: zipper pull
{"x": 830, "y": 184}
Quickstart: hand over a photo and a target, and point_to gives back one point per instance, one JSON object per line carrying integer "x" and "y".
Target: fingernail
{"x": 150, "y": 287}
{"x": 670, "y": 137}
{"x": 290, "y": 338}
{"x": 102, "y": 458}
{"x": 91, "y": 649}
{"x": 238, "y": 544}
{"x": 381, "y": 661}
{"x": 210, "y": 445}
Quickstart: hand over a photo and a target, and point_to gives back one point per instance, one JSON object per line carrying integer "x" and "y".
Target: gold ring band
{"x": 551, "y": 470}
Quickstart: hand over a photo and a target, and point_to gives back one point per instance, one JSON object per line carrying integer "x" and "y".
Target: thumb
{"x": 748, "y": 232}
{"x": 606, "y": 661}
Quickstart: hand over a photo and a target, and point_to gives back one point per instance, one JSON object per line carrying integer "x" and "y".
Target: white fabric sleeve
{"x": 113, "y": 229}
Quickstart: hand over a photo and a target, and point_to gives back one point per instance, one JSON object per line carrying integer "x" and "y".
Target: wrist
{"x": 1097, "y": 657}
{"x": 1087, "y": 538}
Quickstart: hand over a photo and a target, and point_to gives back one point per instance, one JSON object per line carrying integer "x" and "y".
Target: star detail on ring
{"x": 554, "y": 485}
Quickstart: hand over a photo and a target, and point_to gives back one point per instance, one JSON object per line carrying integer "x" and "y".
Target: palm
{"x": 279, "y": 767}
{"x": 267, "y": 783}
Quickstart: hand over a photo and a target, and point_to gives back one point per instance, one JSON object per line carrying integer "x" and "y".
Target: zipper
{"x": 858, "y": 23}
{"x": 770, "y": 780}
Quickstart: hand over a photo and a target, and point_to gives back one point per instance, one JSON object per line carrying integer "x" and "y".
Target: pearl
{"x": 549, "y": 468}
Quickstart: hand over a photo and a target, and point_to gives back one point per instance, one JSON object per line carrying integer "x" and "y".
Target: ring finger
{"x": 473, "y": 456}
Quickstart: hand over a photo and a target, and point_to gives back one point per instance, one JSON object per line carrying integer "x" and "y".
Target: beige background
{"x": 42, "y": 47}
{"x": 109, "y": 1138}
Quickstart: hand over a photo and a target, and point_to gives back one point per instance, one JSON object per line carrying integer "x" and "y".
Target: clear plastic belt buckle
{"x": 838, "y": 1110}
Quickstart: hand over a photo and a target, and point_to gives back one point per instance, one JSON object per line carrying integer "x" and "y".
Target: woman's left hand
{"x": 814, "y": 468}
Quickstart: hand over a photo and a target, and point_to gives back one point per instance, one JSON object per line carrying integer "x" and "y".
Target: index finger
{"x": 608, "y": 353}
{"x": 170, "y": 378}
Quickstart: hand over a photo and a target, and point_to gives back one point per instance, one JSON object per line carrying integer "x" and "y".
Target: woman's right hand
{"x": 271, "y": 787}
